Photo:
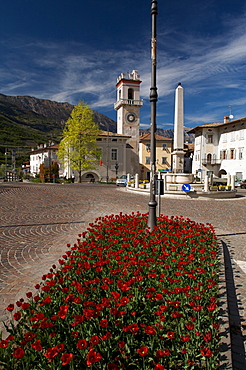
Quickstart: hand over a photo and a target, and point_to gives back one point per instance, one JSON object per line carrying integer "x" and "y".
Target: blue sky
{"x": 69, "y": 50}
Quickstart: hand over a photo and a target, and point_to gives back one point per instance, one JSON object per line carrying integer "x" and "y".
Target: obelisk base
{"x": 178, "y": 161}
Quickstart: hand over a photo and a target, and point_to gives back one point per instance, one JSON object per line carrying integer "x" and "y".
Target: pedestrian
{"x": 73, "y": 177}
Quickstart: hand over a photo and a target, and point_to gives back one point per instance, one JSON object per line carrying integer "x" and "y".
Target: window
{"x": 210, "y": 139}
{"x": 209, "y": 158}
{"x": 241, "y": 134}
{"x": 148, "y": 147}
{"x": 114, "y": 154}
{"x": 239, "y": 176}
{"x": 164, "y": 160}
{"x": 232, "y": 153}
{"x": 130, "y": 94}
{"x": 224, "y": 137}
{"x": 147, "y": 160}
{"x": 164, "y": 146}
{"x": 240, "y": 153}
{"x": 223, "y": 154}
{"x": 233, "y": 136}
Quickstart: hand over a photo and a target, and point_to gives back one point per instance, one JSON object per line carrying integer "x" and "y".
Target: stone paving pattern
{"x": 38, "y": 220}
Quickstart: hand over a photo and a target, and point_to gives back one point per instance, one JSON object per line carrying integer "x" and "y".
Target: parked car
{"x": 243, "y": 184}
{"x": 238, "y": 183}
{"x": 122, "y": 180}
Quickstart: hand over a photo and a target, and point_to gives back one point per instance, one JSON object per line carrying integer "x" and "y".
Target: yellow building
{"x": 164, "y": 147}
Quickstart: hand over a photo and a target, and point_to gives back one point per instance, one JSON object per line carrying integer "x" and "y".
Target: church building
{"x": 119, "y": 151}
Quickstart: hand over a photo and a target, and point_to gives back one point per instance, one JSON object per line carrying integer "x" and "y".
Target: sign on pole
{"x": 186, "y": 188}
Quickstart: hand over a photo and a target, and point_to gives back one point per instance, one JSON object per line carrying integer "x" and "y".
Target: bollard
{"x": 206, "y": 182}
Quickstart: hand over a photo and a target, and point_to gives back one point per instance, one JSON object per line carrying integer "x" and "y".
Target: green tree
{"x": 78, "y": 147}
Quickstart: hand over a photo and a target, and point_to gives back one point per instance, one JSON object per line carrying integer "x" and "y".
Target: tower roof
{"x": 133, "y": 77}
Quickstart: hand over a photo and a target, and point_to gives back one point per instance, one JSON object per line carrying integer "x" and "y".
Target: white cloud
{"x": 68, "y": 71}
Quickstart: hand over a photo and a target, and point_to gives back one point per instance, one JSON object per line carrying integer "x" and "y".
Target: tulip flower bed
{"x": 123, "y": 298}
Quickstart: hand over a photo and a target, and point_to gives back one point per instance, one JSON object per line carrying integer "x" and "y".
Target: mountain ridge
{"x": 50, "y": 112}
{"x": 27, "y": 121}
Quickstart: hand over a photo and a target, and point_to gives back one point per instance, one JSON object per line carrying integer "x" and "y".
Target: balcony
{"x": 132, "y": 102}
{"x": 211, "y": 161}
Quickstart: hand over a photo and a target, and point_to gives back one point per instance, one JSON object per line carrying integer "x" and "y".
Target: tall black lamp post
{"x": 107, "y": 178}
{"x": 116, "y": 169}
{"x": 153, "y": 100}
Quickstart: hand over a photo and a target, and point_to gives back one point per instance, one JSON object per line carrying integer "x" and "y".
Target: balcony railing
{"x": 120, "y": 102}
{"x": 211, "y": 161}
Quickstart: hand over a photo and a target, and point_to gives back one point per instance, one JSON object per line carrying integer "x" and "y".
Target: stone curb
{"x": 225, "y": 336}
{"x": 232, "y": 350}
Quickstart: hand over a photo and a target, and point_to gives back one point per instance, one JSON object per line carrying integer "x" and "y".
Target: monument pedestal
{"x": 179, "y": 178}
{"x": 178, "y": 160}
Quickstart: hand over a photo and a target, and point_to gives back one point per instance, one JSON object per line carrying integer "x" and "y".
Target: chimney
{"x": 226, "y": 119}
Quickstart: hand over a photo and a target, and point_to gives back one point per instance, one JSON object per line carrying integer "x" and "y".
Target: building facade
{"x": 44, "y": 154}
{"x": 115, "y": 159}
{"x": 128, "y": 106}
{"x": 220, "y": 149}
{"x": 164, "y": 147}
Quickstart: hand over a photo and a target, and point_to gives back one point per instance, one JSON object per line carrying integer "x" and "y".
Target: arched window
{"x": 130, "y": 94}
{"x": 209, "y": 158}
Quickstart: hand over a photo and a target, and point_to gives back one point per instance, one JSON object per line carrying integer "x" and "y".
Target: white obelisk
{"x": 178, "y": 142}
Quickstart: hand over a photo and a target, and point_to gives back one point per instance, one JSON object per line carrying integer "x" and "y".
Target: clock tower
{"x": 128, "y": 107}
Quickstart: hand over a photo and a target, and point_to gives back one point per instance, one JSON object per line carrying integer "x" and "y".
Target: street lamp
{"x": 107, "y": 161}
{"x": 6, "y": 163}
{"x": 116, "y": 169}
{"x": 153, "y": 100}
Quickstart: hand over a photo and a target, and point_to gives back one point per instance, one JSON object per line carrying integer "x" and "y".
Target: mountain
{"x": 27, "y": 121}
{"x": 38, "y": 116}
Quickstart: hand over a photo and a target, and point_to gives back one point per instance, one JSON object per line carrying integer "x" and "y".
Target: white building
{"x": 220, "y": 149}
{"x": 43, "y": 154}
{"x": 115, "y": 159}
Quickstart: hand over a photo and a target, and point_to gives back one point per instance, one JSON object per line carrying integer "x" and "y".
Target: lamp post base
{"x": 152, "y": 215}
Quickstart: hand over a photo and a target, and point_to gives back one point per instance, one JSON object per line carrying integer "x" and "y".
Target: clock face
{"x": 131, "y": 117}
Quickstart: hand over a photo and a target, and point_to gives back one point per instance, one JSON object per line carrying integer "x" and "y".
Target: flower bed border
{"x": 63, "y": 312}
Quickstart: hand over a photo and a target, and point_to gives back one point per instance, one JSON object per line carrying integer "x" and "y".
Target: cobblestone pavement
{"x": 38, "y": 220}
